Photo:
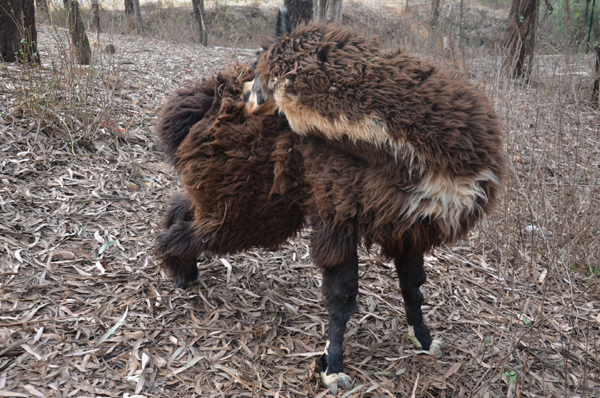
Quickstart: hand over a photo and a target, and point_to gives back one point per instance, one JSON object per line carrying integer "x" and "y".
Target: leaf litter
{"x": 85, "y": 312}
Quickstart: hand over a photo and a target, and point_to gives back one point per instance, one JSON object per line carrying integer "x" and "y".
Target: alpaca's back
{"x": 426, "y": 131}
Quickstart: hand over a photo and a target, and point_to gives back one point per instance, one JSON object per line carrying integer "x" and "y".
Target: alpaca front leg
{"x": 340, "y": 288}
{"x": 412, "y": 275}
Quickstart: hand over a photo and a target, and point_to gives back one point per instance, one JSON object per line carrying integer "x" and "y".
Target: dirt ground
{"x": 85, "y": 312}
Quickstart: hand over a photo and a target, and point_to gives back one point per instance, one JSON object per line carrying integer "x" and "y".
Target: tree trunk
{"x": 29, "y": 45}
{"x": 96, "y": 13}
{"x": 595, "y": 96}
{"x": 10, "y": 29}
{"x": 300, "y": 11}
{"x": 587, "y": 10}
{"x": 330, "y": 10}
{"x": 129, "y": 7}
{"x": 435, "y": 14}
{"x": 568, "y": 12}
{"x": 78, "y": 36}
{"x": 199, "y": 15}
{"x": 138, "y": 16}
{"x": 520, "y": 38}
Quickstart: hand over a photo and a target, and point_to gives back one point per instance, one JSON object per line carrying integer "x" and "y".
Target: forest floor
{"x": 86, "y": 312}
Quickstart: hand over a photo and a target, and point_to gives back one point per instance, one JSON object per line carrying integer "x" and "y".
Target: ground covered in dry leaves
{"x": 85, "y": 312}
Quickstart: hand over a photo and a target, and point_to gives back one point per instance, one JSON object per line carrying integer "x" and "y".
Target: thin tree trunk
{"x": 596, "y": 79}
{"x": 330, "y": 10}
{"x": 300, "y": 11}
{"x": 129, "y": 7}
{"x": 79, "y": 38}
{"x": 568, "y": 12}
{"x": 29, "y": 45}
{"x": 519, "y": 40}
{"x": 199, "y": 15}
{"x": 96, "y": 12}
{"x": 587, "y": 10}
{"x": 10, "y": 29}
{"x": 435, "y": 14}
{"x": 460, "y": 25}
{"x": 138, "y": 16}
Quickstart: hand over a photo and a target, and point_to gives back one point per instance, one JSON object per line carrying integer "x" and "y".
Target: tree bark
{"x": 10, "y": 29}
{"x": 129, "y": 7}
{"x": 300, "y": 11}
{"x": 79, "y": 38}
{"x": 519, "y": 41}
{"x": 199, "y": 15}
{"x": 587, "y": 10}
{"x": 330, "y": 10}
{"x": 435, "y": 14}
{"x": 29, "y": 45}
{"x": 596, "y": 86}
{"x": 96, "y": 13}
{"x": 138, "y": 16}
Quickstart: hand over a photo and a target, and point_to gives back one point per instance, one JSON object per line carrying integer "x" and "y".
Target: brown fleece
{"x": 409, "y": 110}
{"x": 252, "y": 181}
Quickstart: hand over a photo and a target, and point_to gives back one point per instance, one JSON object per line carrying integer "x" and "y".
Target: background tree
{"x": 10, "y": 29}
{"x": 138, "y": 16}
{"x": 96, "y": 13}
{"x": 596, "y": 86}
{"x": 199, "y": 15}
{"x": 79, "y": 38}
{"x": 18, "y": 35}
{"x": 129, "y": 7}
{"x": 329, "y": 10}
{"x": 519, "y": 40}
{"x": 435, "y": 14}
{"x": 300, "y": 10}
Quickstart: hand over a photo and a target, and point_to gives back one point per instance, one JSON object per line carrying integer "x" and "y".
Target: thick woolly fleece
{"x": 252, "y": 181}
{"x": 427, "y": 129}
{"x": 225, "y": 163}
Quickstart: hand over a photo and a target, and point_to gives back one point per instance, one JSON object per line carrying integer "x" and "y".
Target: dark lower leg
{"x": 412, "y": 275}
{"x": 333, "y": 249}
{"x": 340, "y": 287}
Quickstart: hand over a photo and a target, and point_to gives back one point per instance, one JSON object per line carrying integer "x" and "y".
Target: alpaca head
{"x": 258, "y": 94}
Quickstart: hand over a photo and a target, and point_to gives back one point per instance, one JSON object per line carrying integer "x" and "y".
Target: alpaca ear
{"x": 283, "y": 22}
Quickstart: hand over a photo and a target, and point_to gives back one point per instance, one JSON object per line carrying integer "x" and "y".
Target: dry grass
{"x": 85, "y": 312}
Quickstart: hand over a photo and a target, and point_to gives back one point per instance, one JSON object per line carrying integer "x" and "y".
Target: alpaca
{"x": 375, "y": 147}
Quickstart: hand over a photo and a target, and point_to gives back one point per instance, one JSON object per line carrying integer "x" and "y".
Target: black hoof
{"x": 332, "y": 381}
{"x": 421, "y": 332}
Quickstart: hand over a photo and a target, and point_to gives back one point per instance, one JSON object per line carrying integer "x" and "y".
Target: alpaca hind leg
{"x": 177, "y": 246}
{"x": 412, "y": 275}
{"x": 336, "y": 254}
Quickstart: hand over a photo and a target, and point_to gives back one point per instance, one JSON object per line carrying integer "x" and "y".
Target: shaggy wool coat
{"x": 427, "y": 131}
{"x": 253, "y": 180}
